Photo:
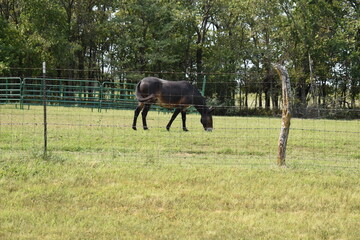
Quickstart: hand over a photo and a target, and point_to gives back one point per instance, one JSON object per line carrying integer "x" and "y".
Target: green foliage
{"x": 317, "y": 40}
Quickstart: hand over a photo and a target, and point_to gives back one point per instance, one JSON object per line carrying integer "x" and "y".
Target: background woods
{"x": 232, "y": 43}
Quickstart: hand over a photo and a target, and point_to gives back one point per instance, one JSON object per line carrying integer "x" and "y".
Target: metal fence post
{"x": 45, "y": 110}
{"x": 101, "y": 86}
{"x": 21, "y": 94}
{"x": 203, "y": 86}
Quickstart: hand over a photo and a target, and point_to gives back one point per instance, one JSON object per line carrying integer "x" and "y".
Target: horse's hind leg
{"x": 144, "y": 114}
{"x": 136, "y": 114}
{"x": 183, "y": 116}
{"x": 177, "y": 111}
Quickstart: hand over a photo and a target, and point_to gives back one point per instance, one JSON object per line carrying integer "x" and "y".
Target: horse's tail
{"x": 139, "y": 97}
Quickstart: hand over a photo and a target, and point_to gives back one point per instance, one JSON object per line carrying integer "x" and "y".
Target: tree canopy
{"x": 232, "y": 42}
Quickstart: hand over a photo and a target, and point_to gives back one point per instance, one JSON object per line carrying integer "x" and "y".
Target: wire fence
{"x": 92, "y": 121}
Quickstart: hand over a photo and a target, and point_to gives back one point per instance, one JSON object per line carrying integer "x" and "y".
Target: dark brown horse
{"x": 179, "y": 95}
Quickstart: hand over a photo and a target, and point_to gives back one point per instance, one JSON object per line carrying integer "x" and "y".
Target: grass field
{"x": 102, "y": 180}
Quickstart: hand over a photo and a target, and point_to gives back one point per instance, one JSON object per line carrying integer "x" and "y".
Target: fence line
{"x": 233, "y": 142}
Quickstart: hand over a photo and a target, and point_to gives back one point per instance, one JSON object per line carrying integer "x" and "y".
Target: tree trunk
{"x": 260, "y": 99}
{"x": 246, "y": 99}
{"x": 199, "y": 57}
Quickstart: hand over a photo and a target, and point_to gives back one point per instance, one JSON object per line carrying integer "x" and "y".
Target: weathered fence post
{"x": 286, "y": 113}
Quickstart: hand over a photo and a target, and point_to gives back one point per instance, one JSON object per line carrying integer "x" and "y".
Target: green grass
{"x": 102, "y": 180}
{"x": 76, "y": 133}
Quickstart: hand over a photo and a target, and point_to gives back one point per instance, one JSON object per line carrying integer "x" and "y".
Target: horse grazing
{"x": 179, "y": 95}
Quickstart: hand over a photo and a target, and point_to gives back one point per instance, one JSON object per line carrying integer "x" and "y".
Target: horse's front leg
{"x": 177, "y": 111}
{"x": 144, "y": 114}
{"x": 183, "y": 117}
{"x": 136, "y": 114}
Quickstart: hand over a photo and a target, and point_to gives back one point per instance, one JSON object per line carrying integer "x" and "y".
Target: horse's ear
{"x": 211, "y": 109}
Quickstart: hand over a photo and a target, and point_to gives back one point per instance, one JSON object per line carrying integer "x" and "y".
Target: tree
{"x": 318, "y": 40}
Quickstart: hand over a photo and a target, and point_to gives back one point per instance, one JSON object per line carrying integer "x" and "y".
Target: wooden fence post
{"x": 286, "y": 113}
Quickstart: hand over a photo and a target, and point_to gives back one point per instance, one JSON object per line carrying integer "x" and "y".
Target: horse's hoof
{"x": 146, "y": 128}
{"x": 185, "y": 130}
{"x": 134, "y": 128}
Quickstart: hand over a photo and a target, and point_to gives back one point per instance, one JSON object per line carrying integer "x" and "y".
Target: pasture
{"x": 103, "y": 180}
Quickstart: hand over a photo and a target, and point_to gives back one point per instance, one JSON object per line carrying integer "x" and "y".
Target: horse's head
{"x": 206, "y": 119}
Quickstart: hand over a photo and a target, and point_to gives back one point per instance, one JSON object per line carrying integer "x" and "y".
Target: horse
{"x": 178, "y": 95}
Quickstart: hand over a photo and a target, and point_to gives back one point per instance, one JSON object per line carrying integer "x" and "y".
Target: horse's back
{"x": 169, "y": 92}
{"x": 157, "y": 85}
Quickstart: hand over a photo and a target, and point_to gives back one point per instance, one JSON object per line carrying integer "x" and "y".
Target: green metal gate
{"x": 117, "y": 95}
{"x": 62, "y": 92}
{"x": 10, "y": 90}
{"x": 69, "y": 92}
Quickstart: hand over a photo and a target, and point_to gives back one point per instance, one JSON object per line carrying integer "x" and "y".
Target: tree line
{"x": 232, "y": 43}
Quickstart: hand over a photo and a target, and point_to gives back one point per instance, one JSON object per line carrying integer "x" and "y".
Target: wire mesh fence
{"x": 96, "y": 126}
